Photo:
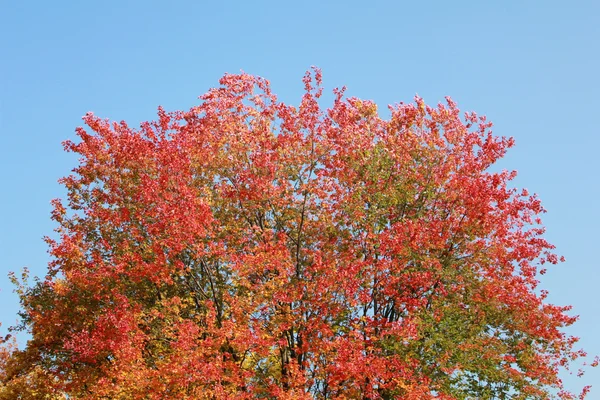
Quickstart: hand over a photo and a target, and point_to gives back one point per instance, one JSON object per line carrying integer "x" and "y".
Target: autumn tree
{"x": 250, "y": 249}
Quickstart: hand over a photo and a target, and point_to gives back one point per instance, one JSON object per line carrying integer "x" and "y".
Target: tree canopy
{"x": 250, "y": 249}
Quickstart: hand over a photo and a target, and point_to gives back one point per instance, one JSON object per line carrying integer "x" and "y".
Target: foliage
{"x": 249, "y": 249}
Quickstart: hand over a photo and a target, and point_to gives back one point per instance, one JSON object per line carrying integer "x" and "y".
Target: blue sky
{"x": 531, "y": 67}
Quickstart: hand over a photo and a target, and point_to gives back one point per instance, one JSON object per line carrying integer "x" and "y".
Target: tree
{"x": 250, "y": 249}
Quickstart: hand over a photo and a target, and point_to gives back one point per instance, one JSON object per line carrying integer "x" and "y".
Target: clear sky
{"x": 531, "y": 66}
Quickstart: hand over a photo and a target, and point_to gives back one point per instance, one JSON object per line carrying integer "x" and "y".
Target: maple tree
{"x": 250, "y": 249}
